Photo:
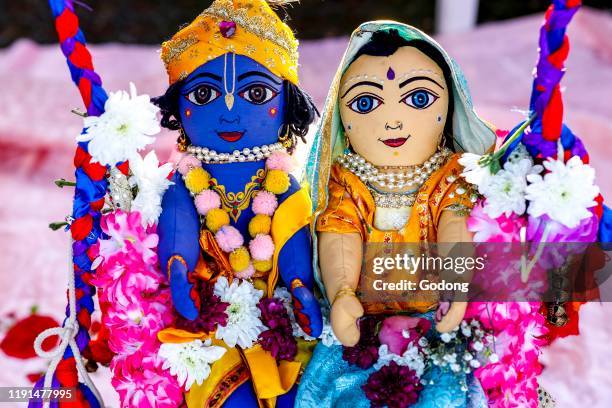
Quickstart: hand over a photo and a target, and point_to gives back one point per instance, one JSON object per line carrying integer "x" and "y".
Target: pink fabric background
{"x": 37, "y": 141}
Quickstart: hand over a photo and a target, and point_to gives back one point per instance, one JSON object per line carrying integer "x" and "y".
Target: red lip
{"x": 397, "y": 142}
{"x": 230, "y": 136}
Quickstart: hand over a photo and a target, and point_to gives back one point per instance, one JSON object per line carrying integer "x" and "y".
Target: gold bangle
{"x": 346, "y": 290}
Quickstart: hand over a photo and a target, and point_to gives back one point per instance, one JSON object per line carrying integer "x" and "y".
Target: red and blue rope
{"x": 546, "y": 98}
{"x": 90, "y": 190}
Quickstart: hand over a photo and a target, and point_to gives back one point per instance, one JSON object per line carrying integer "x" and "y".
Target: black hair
{"x": 386, "y": 43}
{"x": 300, "y": 110}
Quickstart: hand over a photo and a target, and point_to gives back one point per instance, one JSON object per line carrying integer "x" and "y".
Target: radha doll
{"x": 397, "y": 115}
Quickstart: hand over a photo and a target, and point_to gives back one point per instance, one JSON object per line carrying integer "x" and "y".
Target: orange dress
{"x": 351, "y": 209}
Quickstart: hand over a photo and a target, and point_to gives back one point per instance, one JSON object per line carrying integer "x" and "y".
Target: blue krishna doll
{"x": 385, "y": 171}
{"x": 234, "y": 229}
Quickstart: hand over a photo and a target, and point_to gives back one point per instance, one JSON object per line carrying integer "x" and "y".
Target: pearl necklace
{"x": 247, "y": 154}
{"x": 406, "y": 176}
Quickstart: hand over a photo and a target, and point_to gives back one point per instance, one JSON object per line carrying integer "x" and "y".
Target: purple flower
{"x": 393, "y": 386}
{"x": 365, "y": 353}
{"x": 278, "y": 339}
{"x": 212, "y": 311}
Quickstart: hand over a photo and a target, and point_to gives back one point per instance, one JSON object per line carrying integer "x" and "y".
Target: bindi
{"x": 390, "y": 74}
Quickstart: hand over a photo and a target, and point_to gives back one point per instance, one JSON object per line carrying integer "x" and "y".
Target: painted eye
{"x": 420, "y": 99}
{"x": 258, "y": 94}
{"x": 364, "y": 103}
{"x": 203, "y": 95}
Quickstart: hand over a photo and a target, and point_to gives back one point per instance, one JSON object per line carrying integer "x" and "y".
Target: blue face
{"x": 256, "y": 115}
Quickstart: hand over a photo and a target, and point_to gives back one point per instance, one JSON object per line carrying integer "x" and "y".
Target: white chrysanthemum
{"x": 505, "y": 191}
{"x": 243, "y": 316}
{"x": 127, "y": 125}
{"x": 152, "y": 181}
{"x": 412, "y": 358}
{"x": 565, "y": 193}
{"x": 190, "y": 362}
{"x": 473, "y": 172}
{"x": 283, "y": 294}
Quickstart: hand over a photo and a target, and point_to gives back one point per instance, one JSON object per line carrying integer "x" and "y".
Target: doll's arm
{"x": 179, "y": 247}
{"x": 295, "y": 267}
{"x": 340, "y": 259}
{"x": 452, "y": 228}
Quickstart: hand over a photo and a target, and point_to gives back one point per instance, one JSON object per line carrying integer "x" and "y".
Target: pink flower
{"x": 122, "y": 277}
{"x": 262, "y": 247}
{"x": 207, "y": 200}
{"x": 127, "y": 235}
{"x": 519, "y": 331}
{"x": 501, "y": 229}
{"x": 229, "y": 238}
{"x": 280, "y": 161}
{"x": 265, "y": 203}
{"x": 397, "y": 332}
{"x": 187, "y": 163}
{"x": 135, "y": 326}
{"x": 141, "y": 382}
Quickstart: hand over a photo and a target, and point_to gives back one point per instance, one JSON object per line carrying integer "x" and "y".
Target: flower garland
{"x": 400, "y": 352}
{"x": 137, "y": 298}
{"x": 258, "y": 256}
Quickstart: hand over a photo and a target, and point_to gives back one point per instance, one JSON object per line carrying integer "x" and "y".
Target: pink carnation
{"x": 265, "y": 203}
{"x": 127, "y": 235}
{"x": 229, "y": 238}
{"x": 280, "y": 161}
{"x": 262, "y": 247}
{"x": 141, "y": 382}
{"x": 487, "y": 229}
{"x": 206, "y": 201}
{"x": 187, "y": 163}
{"x": 245, "y": 274}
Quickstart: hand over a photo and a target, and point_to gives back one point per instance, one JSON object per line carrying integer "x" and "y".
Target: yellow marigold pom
{"x": 262, "y": 266}
{"x": 277, "y": 182}
{"x": 216, "y": 218}
{"x": 260, "y": 284}
{"x": 260, "y": 224}
{"x": 197, "y": 180}
{"x": 239, "y": 259}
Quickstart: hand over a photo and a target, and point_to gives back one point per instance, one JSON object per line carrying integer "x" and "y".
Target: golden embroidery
{"x": 174, "y": 48}
{"x": 234, "y": 203}
{"x": 262, "y": 25}
{"x": 235, "y": 378}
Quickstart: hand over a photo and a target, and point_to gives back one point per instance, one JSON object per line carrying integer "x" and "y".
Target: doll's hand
{"x": 345, "y": 312}
{"x": 182, "y": 290}
{"x": 452, "y": 318}
{"x": 306, "y": 309}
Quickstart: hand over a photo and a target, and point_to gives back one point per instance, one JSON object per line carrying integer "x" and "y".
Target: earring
{"x": 182, "y": 142}
{"x": 441, "y": 142}
{"x": 284, "y": 137}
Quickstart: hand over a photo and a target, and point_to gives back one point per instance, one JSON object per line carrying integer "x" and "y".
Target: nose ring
{"x": 398, "y": 125}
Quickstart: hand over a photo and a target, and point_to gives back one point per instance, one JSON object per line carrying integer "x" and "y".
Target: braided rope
{"x": 546, "y": 102}
{"x": 90, "y": 190}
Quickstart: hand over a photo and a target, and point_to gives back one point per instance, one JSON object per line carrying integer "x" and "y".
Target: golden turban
{"x": 245, "y": 27}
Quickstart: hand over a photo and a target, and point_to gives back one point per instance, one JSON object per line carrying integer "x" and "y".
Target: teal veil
{"x": 470, "y": 133}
